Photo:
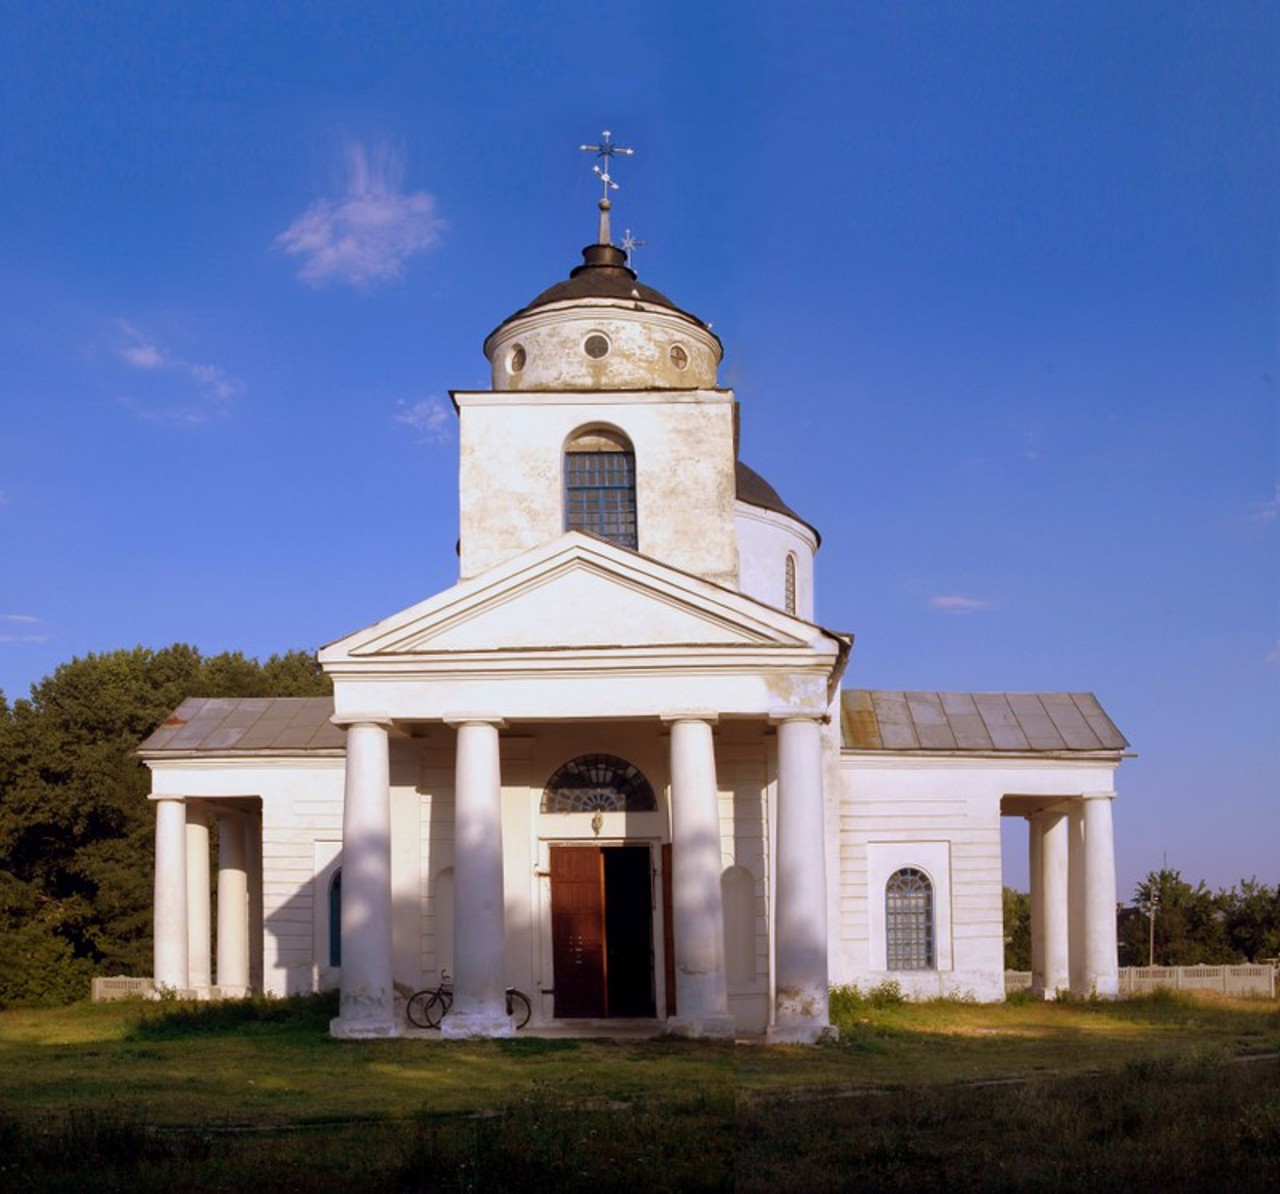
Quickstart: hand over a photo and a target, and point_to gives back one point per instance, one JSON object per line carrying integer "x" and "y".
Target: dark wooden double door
{"x": 602, "y": 931}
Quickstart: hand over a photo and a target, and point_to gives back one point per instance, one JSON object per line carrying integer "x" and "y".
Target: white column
{"x": 253, "y": 865}
{"x": 199, "y": 925}
{"x": 233, "y": 909}
{"x": 801, "y": 1006}
{"x": 170, "y": 924}
{"x": 702, "y": 1002}
{"x": 1035, "y": 861}
{"x": 1101, "y": 956}
{"x": 367, "y": 1007}
{"x": 1054, "y": 872}
{"x": 1075, "y": 898}
{"x": 479, "y": 917}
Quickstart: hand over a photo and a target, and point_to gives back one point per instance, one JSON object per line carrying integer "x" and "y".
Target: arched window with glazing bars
{"x": 600, "y": 486}
{"x": 908, "y": 919}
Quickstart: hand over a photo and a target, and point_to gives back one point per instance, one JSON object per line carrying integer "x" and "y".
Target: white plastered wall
{"x": 511, "y": 486}
{"x": 765, "y": 539}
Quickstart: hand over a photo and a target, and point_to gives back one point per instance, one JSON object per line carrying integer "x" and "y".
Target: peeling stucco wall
{"x": 511, "y": 485}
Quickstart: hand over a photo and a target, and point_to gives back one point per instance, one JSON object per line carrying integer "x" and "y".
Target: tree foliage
{"x": 1193, "y": 925}
{"x": 76, "y": 830}
{"x": 1017, "y": 929}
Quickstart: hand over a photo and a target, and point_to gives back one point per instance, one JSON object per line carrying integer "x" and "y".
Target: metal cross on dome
{"x": 630, "y": 244}
{"x": 606, "y": 150}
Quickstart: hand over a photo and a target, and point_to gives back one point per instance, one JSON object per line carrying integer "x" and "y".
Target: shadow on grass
{"x": 175, "y": 1019}
{"x": 1191, "y": 1123}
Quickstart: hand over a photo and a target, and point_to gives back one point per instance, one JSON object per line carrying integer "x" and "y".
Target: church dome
{"x": 602, "y": 329}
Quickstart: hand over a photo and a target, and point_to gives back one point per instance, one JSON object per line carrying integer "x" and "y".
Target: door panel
{"x": 628, "y": 922}
{"x": 577, "y": 931}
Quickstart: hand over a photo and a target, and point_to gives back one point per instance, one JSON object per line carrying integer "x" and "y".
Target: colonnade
{"x": 1073, "y": 898}
{"x": 367, "y": 1006}
{"x": 184, "y": 958}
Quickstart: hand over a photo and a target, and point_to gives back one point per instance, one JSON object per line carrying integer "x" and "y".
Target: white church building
{"x": 614, "y": 765}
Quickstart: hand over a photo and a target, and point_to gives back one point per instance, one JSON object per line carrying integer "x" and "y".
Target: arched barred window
{"x": 908, "y": 919}
{"x": 600, "y": 487}
{"x": 791, "y": 583}
{"x": 598, "y": 783}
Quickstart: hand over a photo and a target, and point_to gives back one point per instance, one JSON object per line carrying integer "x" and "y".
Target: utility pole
{"x": 1152, "y": 904}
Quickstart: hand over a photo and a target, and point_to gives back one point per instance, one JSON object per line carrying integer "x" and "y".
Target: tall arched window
{"x": 908, "y": 919}
{"x": 335, "y": 918}
{"x": 600, "y": 487}
{"x": 791, "y": 582}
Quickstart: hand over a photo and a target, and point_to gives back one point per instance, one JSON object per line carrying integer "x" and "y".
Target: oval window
{"x": 595, "y": 346}
{"x": 517, "y": 359}
{"x": 679, "y": 358}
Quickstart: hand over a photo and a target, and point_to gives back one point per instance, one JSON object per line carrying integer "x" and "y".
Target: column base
{"x": 221, "y": 992}
{"x": 709, "y": 1028}
{"x": 466, "y": 1026}
{"x": 363, "y": 1030}
{"x": 802, "y": 1034}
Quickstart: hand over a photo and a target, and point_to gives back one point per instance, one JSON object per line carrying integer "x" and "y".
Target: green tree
{"x": 76, "y": 832}
{"x": 1017, "y": 929}
{"x": 1190, "y": 925}
{"x": 1251, "y": 918}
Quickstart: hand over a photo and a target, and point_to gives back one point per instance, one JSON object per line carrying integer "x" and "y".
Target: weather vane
{"x": 630, "y": 244}
{"x": 606, "y": 150}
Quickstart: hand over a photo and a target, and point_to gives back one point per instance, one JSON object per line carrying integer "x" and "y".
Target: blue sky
{"x": 997, "y": 285}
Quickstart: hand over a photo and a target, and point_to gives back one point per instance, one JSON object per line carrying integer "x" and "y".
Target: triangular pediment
{"x": 576, "y": 593}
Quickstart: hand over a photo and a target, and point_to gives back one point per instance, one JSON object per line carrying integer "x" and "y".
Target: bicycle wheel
{"x": 418, "y": 1011}
{"x": 438, "y": 1007}
{"x": 518, "y": 1007}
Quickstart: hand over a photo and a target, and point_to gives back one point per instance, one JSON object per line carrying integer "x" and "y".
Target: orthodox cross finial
{"x": 630, "y": 244}
{"x": 606, "y": 150}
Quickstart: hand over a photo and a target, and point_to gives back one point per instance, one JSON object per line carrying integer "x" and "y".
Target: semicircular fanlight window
{"x": 598, "y": 783}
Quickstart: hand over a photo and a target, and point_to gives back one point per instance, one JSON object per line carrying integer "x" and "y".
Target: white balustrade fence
{"x": 1256, "y": 981}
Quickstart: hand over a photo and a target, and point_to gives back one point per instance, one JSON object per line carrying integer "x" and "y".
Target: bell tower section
{"x": 604, "y": 416}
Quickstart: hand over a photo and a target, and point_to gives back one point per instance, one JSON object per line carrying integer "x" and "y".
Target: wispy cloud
{"x": 365, "y": 236}
{"x": 1272, "y": 657}
{"x": 954, "y": 603}
{"x": 23, "y": 628}
{"x": 196, "y": 392}
{"x": 429, "y": 417}
{"x": 1268, "y": 510}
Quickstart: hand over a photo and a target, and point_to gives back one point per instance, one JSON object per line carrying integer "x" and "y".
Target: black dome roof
{"x": 604, "y": 273}
{"x": 753, "y": 489}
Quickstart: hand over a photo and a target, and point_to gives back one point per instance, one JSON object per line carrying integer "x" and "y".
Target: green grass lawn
{"x": 1022, "y": 1095}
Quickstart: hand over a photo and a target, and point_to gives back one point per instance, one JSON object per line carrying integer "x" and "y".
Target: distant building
{"x": 613, "y": 764}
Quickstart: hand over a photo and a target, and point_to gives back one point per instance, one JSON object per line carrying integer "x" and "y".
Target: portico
{"x": 184, "y": 910}
{"x": 1073, "y": 894}
{"x": 754, "y": 655}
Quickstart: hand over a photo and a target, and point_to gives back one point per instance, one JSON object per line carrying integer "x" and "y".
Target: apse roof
{"x": 248, "y": 724}
{"x": 753, "y": 489}
{"x": 976, "y": 722}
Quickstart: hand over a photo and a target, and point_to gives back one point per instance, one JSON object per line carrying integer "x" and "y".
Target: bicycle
{"x": 426, "y": 1008}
